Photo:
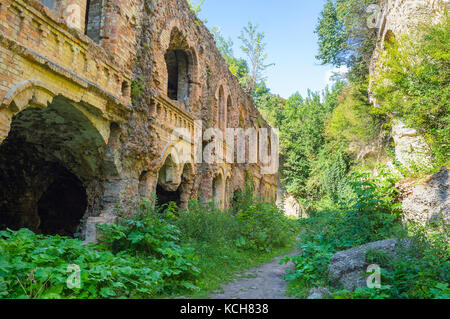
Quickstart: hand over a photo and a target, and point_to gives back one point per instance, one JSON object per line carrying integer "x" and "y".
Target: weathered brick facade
{"x": 91, "y": 92}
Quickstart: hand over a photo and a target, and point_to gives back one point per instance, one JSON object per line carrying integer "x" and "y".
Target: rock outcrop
{"x": 410, "y": 148}
{"x": 347, "y": 268}
{"x": 427, "y": 200}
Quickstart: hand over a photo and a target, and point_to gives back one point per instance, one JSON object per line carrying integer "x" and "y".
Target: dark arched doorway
{"x": 50, "y": 159}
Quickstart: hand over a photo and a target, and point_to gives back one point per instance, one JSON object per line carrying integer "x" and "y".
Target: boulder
{"x": 346, "y": 268}
{"x": 319, "y": 293}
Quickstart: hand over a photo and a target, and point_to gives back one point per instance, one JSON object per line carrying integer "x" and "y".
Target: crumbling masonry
{"x": 90, "y": 94}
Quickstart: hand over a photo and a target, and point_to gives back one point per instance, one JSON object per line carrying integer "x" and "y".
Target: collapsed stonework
{"x": 93, "y": 96}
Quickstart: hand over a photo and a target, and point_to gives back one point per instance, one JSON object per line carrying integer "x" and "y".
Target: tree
{"x": 254, "y": 47}
{"x": 238, "y": 67}
{"x": 302, "y": 138}
{"x": 196, "y": 7}
{"x": 345, "y": 37}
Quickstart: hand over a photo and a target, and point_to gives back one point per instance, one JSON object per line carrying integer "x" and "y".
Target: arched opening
{"x": 169, "y": 181}
{"x": 181, "y": 64}
{"x": 221, "y": 120}
{"x": 165, "y": 197}
{"x": 178, "y": 75}
{"x": 50, "y": 165}
{"x": 63, "y": 205}
{"x": 229, "y": 112}
{"x": 93, "y": 19}
{"x": 218, "y": 191}
{"x": 126, "y": 91}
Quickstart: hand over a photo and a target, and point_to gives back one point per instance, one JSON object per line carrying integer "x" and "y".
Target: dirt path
{"x": 264, "y": 282}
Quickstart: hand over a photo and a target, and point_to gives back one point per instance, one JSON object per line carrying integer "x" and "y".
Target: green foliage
{"x": 254, "y": 47}
{"x": 157, "y": 252}
{"x": 421, "y": 271}
{"x": 35, "y": 266}
{"x": 352, "y": 121}
{"x": 206, "y": 223}
{"x": 369, "y": 215}
{"x": 250, "y": 224}
{"x": 137, "y": 88}
{"x": 264, "y": 227}
{"x": 302, "y": 140}
{"x": 196, "y": 7}
{"x": 141, "y": 257}
{"x": 344, "y": 36}
{"x": 238, "y": 67}
{"x": 226, "y": 241}
{"x": 271, "y": 106}
{"x": 150, "y": 234}
{"x": 413, "y": 83}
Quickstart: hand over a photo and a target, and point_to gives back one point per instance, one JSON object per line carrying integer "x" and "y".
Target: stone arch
{"x": 218, "y": 189}
{"x": 177, "y": 47}
{"x": 175, "y": 177}
{"x": 229, "y": 111}
{"x": 52, "y": 160}
{"x": 220, "y": 102}
{"x": 94, "y": 19}
{"x": 36, "y": 94}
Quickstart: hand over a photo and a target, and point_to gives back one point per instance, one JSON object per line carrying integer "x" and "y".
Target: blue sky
{"x": 291, "y": 43}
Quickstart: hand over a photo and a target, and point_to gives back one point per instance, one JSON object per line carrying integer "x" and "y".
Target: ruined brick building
{"x": 91, "y": 92}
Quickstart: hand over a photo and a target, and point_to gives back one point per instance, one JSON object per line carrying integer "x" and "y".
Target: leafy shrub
{"x": 352, "y": 121}
{"x": 250, "y": 224}
{"x": 413, "y": 83}
{"x": 140, "y": 257}
{"x": 369, "y": 215}
{"x": 148, "y": 235}
{"x": 264, "y": 227}
{"x": 205, "y": 222}
{"x": 143, "y": 256}
{"x": 35, "y": 266}
{"x": 421, "y": 271}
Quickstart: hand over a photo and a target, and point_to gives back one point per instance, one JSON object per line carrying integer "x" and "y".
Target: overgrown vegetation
{"x": 345, "y": 39}
{"x": 351, "y": 209}
{"x": 371, "y": 214}
{"x": 413, "y": 83}
{"x": 160, "y": 252}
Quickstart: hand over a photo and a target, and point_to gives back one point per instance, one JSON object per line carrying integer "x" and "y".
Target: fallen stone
{"x": 346, "y": 268}
{"x": 319, "y": 293}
